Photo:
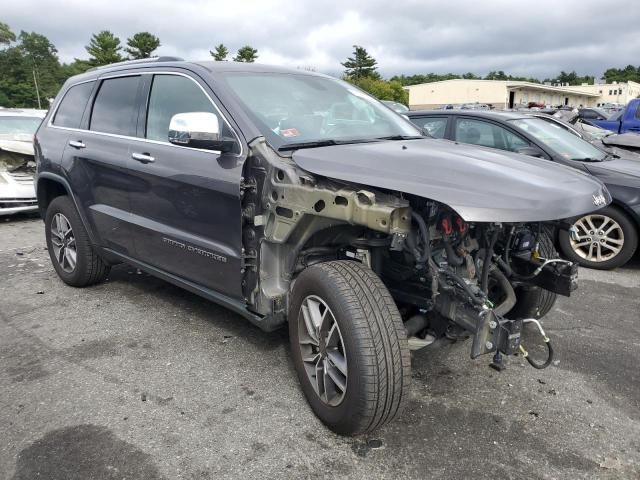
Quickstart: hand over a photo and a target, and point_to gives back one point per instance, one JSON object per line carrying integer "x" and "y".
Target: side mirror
{"x": 531, "y": 151}
{"x": 198, "y": 130}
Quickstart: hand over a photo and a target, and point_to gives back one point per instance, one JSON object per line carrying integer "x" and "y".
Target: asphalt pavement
{"x": 138, "y": 379}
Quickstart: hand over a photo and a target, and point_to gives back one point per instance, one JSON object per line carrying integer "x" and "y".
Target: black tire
{"x": 629, "y": 229}
{"x": 377, "y": 352}
{"x": 89, "y": 268}
{"x": 536, "y": 302}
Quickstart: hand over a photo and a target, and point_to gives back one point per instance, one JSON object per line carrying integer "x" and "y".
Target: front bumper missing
{"x": 495, "y": 334}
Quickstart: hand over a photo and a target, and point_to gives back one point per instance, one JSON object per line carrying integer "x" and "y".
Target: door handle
{"x": 77, "y": 144}
{"x": 143, "y": 157}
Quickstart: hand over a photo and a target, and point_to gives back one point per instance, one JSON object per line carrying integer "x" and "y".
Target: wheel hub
{"x": 599, "y": 238}
{"x": 63, "y": 242}
{"x": 323, "y": 350}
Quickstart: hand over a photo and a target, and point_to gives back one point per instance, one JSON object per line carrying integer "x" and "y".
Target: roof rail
{"x": 140, "y": 60}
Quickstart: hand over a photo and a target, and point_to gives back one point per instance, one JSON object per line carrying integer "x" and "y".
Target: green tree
{"x": 33, "y": 61}
{"x": 74, "y": 68}
{"x": 6, "y": 35}
{"x": 104, "y": 48}
{"x": 142, "y": 45}
{"x": 626, "y": 74}
{"x": 220, "y": 53}
{"x": 246, "y": 54}
{"x": 361, "y": 65}
{"x": 382, "y": 89}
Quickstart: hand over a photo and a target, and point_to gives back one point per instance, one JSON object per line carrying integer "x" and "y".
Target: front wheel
{"x": 349, "y": 346}
{"x": 605, "y": 239}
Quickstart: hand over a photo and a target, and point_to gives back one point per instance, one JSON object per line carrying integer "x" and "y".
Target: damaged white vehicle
{"x": 17, "y": 164}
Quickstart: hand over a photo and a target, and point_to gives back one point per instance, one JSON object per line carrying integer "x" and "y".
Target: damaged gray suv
{"x": 293, "y": 197}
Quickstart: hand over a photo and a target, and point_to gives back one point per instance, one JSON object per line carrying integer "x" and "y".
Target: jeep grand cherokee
{"x": 293, "y": 197}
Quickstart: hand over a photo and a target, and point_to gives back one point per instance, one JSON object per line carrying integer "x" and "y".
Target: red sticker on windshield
{"x": 289, "y": 132}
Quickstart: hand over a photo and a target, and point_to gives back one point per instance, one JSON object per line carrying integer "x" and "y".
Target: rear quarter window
{"x": 69, "y": 113}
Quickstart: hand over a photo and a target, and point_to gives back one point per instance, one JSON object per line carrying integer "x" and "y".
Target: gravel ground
{"x": 137, "y": 379}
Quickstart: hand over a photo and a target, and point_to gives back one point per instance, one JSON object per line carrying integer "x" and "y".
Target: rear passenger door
{"x": 97, "y": 158}
{"x": 187, "y": 219}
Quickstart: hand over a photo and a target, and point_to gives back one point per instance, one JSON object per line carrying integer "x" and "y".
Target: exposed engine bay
{"x": 449, "y": 278}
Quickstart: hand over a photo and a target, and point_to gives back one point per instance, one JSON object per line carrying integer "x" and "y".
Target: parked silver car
{"x": 17, "y": 165}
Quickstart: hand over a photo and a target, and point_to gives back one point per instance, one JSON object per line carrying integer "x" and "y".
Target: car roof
{"x": 22, "y": 112}
{"x": 489, "y": 114}
{"x": 176, "y": 62}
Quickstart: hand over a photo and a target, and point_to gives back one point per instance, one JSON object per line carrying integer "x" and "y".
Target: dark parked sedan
{"x": 604, "y": 240}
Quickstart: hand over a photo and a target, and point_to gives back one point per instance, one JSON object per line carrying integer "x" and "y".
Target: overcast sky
{"x": 533, "y": 38}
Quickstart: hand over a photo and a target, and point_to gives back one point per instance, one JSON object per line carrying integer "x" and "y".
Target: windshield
{"x": 292, "y": 110}
{"x": 560, "y": 140}
{"x": 19, "y": 126}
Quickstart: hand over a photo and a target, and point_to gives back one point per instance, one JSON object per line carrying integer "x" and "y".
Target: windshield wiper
{"x": 588, "y": 159}
{"x": 322, "y": 143}
{"x": 401, "y": 137}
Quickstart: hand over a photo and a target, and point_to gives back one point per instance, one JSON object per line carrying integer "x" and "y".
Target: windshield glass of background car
{"x": 289, "y": 109}
{"x": 16, "y": 126}
{"x": 566, "y": 144}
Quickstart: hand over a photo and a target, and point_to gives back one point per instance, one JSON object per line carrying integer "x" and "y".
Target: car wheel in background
{"x": 605, "y": 239}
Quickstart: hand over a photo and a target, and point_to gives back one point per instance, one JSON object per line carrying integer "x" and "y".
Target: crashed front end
{"x": 459, "y": 256}
{"x": 17, "y": 169}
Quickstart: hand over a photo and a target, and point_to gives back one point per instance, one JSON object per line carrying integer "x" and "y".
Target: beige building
{"x": 617, "y": 92}
{"x": 503, "y": 94}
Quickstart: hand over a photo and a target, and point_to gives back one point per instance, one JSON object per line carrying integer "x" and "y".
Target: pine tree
{"x": 142, "y": 45}
{"x": 104, "y": 48}
{"x": 361, "y": 65}
{"x": 246, "y": 54}
{"x": 220, "y": 53}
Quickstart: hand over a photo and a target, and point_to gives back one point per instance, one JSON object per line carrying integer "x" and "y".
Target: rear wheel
{"x": 72, "y": 255}
{"x": 349, "y": 346}
{"x": 605, "y": 239}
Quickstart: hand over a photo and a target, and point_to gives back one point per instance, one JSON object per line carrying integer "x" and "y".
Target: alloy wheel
{"x": 64, "y": 243}
{"x": 599, "y": 238}
{"x": 323, "y": 350}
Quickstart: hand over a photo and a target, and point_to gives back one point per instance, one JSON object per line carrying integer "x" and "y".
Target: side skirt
{"x": 267, "y": 323}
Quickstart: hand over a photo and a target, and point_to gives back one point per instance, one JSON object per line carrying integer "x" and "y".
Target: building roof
{"x": 513, "y": 84}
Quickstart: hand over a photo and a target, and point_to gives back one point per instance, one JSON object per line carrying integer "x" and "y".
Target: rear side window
{"x": 69, "y": 113}
{"x": 479, "y": 132}
{"x": 115, "y": 107}
{"x": 435, "y": 126}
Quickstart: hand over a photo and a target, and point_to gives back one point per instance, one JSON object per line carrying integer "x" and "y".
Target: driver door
{"x": 186, "y": 206}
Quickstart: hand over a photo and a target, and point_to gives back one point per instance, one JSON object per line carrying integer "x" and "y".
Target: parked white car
{"x": 17, "y": 163}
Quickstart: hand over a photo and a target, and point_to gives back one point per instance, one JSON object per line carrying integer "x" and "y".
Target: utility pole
{"x": 35, "y": 81}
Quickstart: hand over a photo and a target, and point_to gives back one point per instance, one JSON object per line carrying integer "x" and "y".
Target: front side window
{"x": 293, "y": 109}
{"x": 566, "y": 144}
{"x": 69, "y": 113}
{"x": 487, "y": 134}
{"x": 172, "y": 94}
{"x": 115, "y": 107}
{"x": 434, "y": 126}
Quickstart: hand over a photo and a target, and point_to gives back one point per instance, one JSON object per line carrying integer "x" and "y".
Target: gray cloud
{"x": 406, "y": 36}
